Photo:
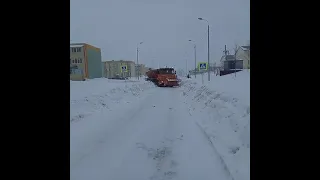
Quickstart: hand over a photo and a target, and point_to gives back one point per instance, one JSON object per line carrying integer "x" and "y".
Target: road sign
{"x": 202, "y": 66}
{"x": 124, "y": 68}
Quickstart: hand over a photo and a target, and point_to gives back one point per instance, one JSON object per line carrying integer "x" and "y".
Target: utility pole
{"x": 138, "y": 62}
{"x": 208, "y": 53}
{"x": 235, "y": 64}
{"x": 208, "y": 46}
{"x": 226, "y": 52}
{"x": 235, "y": 59}
{"x": 138, "y": 67}
{"x": 195, "y": 60}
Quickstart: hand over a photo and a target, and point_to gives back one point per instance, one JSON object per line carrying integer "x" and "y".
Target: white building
{"x": 242, "y": 60}
{"x": 112, "y": 69}
{"x": 243, "y": 53}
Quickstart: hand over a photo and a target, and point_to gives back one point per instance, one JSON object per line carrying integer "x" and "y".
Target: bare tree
{"x": 236, "y": 49}
{"x": 215, "y": 67}
{"x": 248, "y": 44}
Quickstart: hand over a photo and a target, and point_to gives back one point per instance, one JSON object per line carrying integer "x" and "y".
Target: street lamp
{"x": 208, "y": 47}
{"x": 138, "y": 59}
{"x": 195, "y": 58}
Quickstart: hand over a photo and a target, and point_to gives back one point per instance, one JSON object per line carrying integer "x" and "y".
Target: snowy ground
{"x": 89, "y": 97}
{"x": 222, "y": 109}
{"x": 134, "y": 130}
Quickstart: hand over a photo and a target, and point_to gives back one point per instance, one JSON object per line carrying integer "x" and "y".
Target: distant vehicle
{"x": 119, "y": 77}
{"x": 163, "y": 77}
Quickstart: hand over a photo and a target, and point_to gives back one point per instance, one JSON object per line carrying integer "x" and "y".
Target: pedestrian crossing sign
{"x": 124, "y": 68}
{"x": 202, "y": 66}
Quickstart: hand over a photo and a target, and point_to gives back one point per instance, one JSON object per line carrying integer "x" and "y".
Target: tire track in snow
{"x": 222, "y": 109}
{"x": 159, "y": 128}
{"x": 208, "y": 140}
{"x": 191, "y": 145}
{"x": 214, "y": 148}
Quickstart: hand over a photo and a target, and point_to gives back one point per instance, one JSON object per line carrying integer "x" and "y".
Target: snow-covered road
{"x": 153, "y": 137}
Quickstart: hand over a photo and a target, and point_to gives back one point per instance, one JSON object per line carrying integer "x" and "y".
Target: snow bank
{"x": 88, "y": 97}
{"x": 222, "y": 109}
{"x": 99, "y": 107}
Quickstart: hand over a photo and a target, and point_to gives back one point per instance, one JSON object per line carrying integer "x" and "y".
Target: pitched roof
{"x": 228, "y": 58}
{"x": 245, "y": 48}
{"x": 76, "y": 45}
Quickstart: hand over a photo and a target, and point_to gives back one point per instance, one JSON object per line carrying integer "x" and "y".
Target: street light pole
{"x": 137, "y": 62}
{"x": 195, "y": 58}
{"x": 208, "y": 47}
{"x": 138, "y": 73}
{"x": 208, "y": 53}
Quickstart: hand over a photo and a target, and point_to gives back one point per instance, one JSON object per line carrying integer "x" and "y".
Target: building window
{"x": 80, "y": 60}
{"x": 76, "y": 60}
{"x": 76, "y": 49}
{"x": 73, "y": 61}
{"x": 76, "y": 71}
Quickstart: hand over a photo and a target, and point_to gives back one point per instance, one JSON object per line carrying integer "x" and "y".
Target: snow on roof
{"x": 245, "y": 48}
{"x": 229, "y": 58}
{"x": 76, "y": 45}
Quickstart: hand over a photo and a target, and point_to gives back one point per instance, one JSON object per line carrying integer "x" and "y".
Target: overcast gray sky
{"x": 165, "y": 26}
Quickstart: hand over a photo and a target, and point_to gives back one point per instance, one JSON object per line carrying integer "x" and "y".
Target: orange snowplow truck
{"x": 163, "y": 77}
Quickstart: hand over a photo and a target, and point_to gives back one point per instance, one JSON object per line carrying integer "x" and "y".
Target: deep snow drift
{"x": 92, "y": 96}
{"x": 134, "y": 130}
{"x": 222, "y": 108}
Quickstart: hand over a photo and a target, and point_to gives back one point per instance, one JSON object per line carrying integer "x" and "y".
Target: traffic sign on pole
{"x": 202, "y": 66}
{"x": 124, "y": 68}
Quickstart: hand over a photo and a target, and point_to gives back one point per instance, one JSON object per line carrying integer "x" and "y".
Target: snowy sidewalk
{"x": 222, "y": 108}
